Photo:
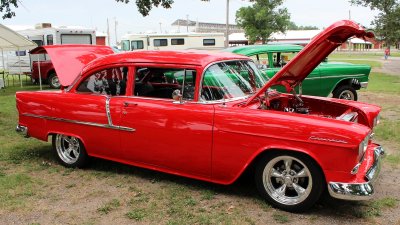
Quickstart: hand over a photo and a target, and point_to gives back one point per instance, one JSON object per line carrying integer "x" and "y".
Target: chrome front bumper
{"x": 364, "y": 84}
{"x": 22, "y": 130}
{"x": 359, "y": 191}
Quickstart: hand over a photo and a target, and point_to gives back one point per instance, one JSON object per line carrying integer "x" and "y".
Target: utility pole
{"x": 187, "y": 23}
{"x": 115, "y": 27}
{"x": 349, "y": 14}
{"x": 227, "y": 25}
{"x": 108, "y": 33}
{"x": 160, "y": 28}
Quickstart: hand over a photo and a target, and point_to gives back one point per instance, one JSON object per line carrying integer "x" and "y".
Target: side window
{"x": 111, "y": 81}
{"x": 49, "y": 39}
{"x": 136, "y": 45}
{"x": 125, "y": 45}
{"x": 38, "y": 42}
{"x": 165, "y": 82}
{"x": 261, "y": 61}
{"x": 208, "y": 42}
{"x": 160, "y": 42}
{"x": 177, "y": 41}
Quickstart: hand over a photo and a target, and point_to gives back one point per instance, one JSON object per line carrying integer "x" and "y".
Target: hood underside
{"x": 297, "y": 69}
{"x": 68, "y": 60}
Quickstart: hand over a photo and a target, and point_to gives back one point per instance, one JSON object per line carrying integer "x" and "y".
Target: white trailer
{"x": 179, "y": 41}
{"x": 45, "y": 34}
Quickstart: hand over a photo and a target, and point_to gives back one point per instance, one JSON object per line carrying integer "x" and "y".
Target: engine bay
{"x": 294, "y": 103}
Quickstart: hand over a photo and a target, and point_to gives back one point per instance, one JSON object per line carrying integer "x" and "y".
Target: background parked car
{"x": 341, "y": 79}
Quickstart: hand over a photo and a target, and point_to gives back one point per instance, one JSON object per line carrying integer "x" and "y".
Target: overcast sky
{"x": 94, "y": 13}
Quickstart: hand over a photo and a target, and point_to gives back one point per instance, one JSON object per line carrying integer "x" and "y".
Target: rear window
{"x": 76, "y": 39}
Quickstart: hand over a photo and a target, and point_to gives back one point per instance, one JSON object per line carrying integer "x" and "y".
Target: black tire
{"x": 69, "y": 151}
{"x": 53, "y": 81}
{"x": 345, "y": 92}
{"x": 291, "y": 198}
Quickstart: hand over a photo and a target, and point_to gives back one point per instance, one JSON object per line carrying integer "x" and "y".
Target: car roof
{"x": 186, "y": 57}
{"x": 250, "y": 50}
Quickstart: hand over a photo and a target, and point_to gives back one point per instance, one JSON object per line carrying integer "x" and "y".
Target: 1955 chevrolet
{"x": 209, "y": 117}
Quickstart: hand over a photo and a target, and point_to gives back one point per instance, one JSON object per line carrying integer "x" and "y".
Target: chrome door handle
{"x": 127, "y": 104}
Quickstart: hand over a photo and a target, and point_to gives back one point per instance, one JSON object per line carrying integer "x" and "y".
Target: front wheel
{"x": 53, "y": 81}
{"x": 289, "y": 181}
{"x": 345, "y": 92}
{"x": 69, "y": 150}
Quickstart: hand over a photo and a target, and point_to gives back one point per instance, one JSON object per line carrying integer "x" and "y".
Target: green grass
{"x": 15, "y": 189}
{"x": 151, "y": 197}
{"x": 375, "y": 207}
{"x": 384, "y": 83}
{"x": 109, "y": 206}
{"x": 356, "y": 55}
{"x": 280, "y": 218}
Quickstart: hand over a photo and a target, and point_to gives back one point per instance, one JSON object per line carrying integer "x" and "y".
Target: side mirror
{"x": 325, "y": 60}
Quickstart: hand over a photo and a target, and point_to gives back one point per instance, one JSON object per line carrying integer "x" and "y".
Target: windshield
{"x": 231, "y": 79}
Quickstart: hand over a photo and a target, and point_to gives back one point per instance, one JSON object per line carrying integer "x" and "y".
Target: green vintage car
{"x": 342, "y": 80}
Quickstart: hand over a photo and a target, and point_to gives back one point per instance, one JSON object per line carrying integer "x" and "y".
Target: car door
{"x": 168, "y": 134}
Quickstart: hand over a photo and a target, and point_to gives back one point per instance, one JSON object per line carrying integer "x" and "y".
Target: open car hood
{"x": 68, "y": 60}
{"x": 313, "y": 54}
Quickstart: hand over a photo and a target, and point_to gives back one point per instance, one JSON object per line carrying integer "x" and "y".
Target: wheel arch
{"x": 50, "y": 71}
{"x": 50, "y": 134}
{"x": 266, "y": 151}
{"x": 354, "y": 82}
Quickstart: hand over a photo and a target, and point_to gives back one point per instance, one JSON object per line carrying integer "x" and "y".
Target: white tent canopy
{"x": 11, "y": 40}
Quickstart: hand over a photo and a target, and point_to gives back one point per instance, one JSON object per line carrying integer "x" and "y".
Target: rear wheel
{"x": 345, "y": 92}
{"x": 69, "y": 150}
{"x": 289, "y": 181}
{"x": 53, "y": 81}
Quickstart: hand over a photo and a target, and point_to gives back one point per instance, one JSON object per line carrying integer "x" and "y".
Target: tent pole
{"x": 19, "y": 63}
{"x": 40, "y": 74}
{"x": 4, "y": 68}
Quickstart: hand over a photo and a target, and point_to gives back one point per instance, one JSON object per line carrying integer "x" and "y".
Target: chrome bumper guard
{"x": 359, "y": 191}
{"x": 22, "y": 130}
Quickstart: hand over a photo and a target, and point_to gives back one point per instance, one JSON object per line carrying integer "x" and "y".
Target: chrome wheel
{"x": 54, "y": 82}
{"x": 287, "y": 180}
{"x": 346, "y": 94}
{"x": 68, "y": 148}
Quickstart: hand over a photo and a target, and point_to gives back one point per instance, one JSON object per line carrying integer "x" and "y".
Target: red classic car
{"x": 209, "y": 116}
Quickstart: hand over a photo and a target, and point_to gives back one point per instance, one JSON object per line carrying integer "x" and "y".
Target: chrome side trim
{"x": 108, "y": 112}
{"x": 82, "y": 122}
{"x": 359, "y": 191}
{"x": 337, "y": 76}
{"x": 23, "y": 130}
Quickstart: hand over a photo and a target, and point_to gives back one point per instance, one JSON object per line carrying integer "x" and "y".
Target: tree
{"x": 293, "y": 26}
{"x": 262, "y": 19}
{"x": 6, "y": 6}
{"x": 145, "y": 6}
{"x": 387, "y": 22}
